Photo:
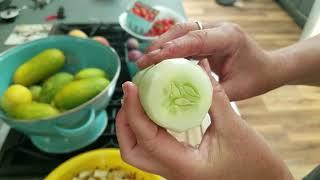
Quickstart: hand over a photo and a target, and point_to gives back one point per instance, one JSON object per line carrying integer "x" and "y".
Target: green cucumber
{"x": 90, "y": 73}
{"x": 78, "y": 92}
{"x": 53, "y": 84}
{"x": 176, "y": 94}
{"x": 35, "y": 91}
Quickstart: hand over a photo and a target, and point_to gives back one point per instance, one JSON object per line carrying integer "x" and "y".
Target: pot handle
{"x": 79, "y": 130}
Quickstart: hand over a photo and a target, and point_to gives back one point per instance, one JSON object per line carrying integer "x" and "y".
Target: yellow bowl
{"x": 101, "y": 158}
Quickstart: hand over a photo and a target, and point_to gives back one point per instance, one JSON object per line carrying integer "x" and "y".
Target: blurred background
{"x": 288, "y": 117}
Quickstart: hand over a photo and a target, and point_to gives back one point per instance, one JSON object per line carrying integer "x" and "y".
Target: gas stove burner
{"x": 20, "y": 159}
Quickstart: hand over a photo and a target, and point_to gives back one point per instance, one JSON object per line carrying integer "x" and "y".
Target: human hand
{"x": 229, "y": 149}
{"x": 244, "y": 69}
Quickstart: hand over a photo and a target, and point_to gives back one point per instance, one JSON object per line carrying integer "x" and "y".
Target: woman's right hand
{"x": 229, "y": 149}
{"x": 244, "y": 69}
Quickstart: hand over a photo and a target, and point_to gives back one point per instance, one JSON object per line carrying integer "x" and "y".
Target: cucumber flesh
{"x": 137, "y": 78}
{"x": 176, "y": 94}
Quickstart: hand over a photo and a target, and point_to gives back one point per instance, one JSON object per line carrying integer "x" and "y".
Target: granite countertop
{"x": 83, "y": 11}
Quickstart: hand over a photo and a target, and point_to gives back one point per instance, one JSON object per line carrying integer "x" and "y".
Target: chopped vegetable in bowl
{"x": 108, "y": 174}
{"x": 99, "y": 164}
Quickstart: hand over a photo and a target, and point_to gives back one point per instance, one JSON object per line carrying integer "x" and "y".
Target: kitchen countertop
{"x": 76, "y": 11}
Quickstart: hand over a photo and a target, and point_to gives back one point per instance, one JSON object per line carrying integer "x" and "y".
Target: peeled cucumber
{"x": 176, "y": 93}
{"x": 136, "y": 79}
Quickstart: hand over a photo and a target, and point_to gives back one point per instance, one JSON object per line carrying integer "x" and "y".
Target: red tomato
{"x": 137, "y": 4}
{"x": 160, "y": 26}
{"x": 148, "y": 17}
{"x": 166, "y": 28}
{"x": 152, "y": 16}
{"x": 147, "y": 11}
{"x": 159, "y": 30}
{"x": 136, "y": 11}
{"x": 143, "y": 12}
{"x": 171, "y": 21}
{"x": 167, "y": 22}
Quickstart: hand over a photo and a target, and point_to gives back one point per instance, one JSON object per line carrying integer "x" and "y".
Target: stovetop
{"x": 20, "y": 159}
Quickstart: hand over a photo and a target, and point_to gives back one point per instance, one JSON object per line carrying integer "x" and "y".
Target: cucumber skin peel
{"x": 176, "y": 94}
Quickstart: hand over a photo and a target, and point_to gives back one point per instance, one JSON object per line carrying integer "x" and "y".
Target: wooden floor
{"x": 288, "y": 117}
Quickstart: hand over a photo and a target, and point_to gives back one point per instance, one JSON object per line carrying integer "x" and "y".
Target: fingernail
{"x": 206, "y": 66}
{"x": 201, "y": 64}
{"x": 124, "y": 89}
{"x": 154, "y": 52}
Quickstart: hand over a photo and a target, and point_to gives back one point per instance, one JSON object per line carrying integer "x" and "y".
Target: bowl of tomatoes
{"x": 140, "y": 17}
{"x": 159, "y": 22}
{"x": 160, "y": 26}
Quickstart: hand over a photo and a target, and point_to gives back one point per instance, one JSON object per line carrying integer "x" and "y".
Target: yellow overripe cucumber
{"x": 16, "y": 94}
{"x": 35, "y": 91}
{"x": 34, "y": 110}
{"x": 90, "y": 73}
{"x": 39, "y": 67}
{"x": 78, "y": 92}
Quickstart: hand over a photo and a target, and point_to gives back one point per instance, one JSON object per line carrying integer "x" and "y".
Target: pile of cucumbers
{"x": 41, "y": 91}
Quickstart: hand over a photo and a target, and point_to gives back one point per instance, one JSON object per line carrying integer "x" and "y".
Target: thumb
{"x": 139, "y": 122}
{"x": 154, "y": 140}
{"x": 221, "y": 111}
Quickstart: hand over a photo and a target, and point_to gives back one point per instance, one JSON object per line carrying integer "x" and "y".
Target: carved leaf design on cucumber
{"x": 182, "y": 96}
{"x": 175, "y": 93}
